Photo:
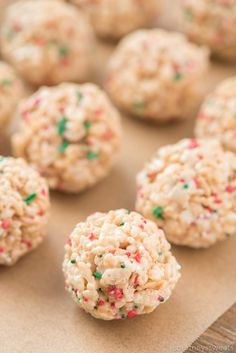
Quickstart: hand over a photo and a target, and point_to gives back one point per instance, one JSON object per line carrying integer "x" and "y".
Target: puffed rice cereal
{"x": 11, "y": 92}
{"x": 118, "y": 265}
{"x": 71, "y": 133}
{"x": 217, "y": 116}
{"x": 212, "y": 23}
{"x": 115, "y": 18}
{"x": 158, "y": 75}
{"x": 188, "y": 189}
{"x": 24, "y": 209}
{"x": 47, "y": 41}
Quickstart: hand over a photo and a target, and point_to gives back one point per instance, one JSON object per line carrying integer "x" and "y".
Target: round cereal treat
{"x": 212, "y": 23}
{"x": 158, "y": 75}
{"x": 118, "y": 265}
{"x": 11, "y": 91}
{"x": 24, "y": 209}
{"x": 47, "y": 41}
{"x": 189, "y": 190}
{"x": 115, "y": 18}
{"x": 217, "y": 115}
{"x": 71, "y": 133}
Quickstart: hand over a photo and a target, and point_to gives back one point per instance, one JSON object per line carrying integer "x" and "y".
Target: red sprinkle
{"x": 101, "y": 302}
{"x": 218, "y": 201}
{"x": 69, "y": 242}
{"x": 136, "y": 280}
{"x": 85, "y": 299}
{"x": 43, "y": 192}
{"x": 5, "y": 224}
{"x": 137, "y": 257}
{"x": 193, "y": 144}
{"x": 229, "y": 188}
{"x": 40, "y": 212}
{"x": 117, "y": 292}
{"x": 91, "y": 237}
{"x": 128, "y": 253}
{"x": 196, "y": 182}
{"x": 1, "y": 249}
{"x": 132, "y": 313}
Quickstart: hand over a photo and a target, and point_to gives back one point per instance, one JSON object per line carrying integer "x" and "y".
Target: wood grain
{"x": 220, "y": 337}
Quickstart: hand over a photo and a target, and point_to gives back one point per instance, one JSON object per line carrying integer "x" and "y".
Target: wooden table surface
{"x": 220, "y": 337}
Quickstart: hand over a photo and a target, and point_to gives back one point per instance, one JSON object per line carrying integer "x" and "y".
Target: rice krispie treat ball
{"x": 188, "y": 189}
{"x": 115, "y": 18}
{"x": 11, "y": 91}
{"x": 119, "y": 265}
{"x": 217, "y": 115}
{"x": 47, "y": 41}
{"x": 24, "y": 209}
{"x": 158, "y": 75}
{"x": 212, "y": 23}
{"x": 71, "y": 133}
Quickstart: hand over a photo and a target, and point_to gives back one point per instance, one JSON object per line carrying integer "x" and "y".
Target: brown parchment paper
{"x": 38, "y": 316}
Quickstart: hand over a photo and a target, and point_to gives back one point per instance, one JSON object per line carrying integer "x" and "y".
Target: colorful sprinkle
{"x": 5, "y": 224}
{"x": 139, "y": 106}
{"x": 63, "y": 146}
{"x": 132, "y": 313}
{"x": 6, "y": 82}
{"x": 116, "y": 292}
{"x": 122, "y": 224}
{"x": 158, "y": 212}
{"x": 178, "y": 76}
{"x": 30, "y": 198}
{"x": 97, "y": 275}
{"x": 63, "y": 51}
{"x": 230, "y": 188}
{"x": 61, "y": 126}
{"x": 79, "y": 95}
{"x": 92, "y": 155}
{"x": 87, "y": 125}
{"x": 193, "y": 144}
{"x": 137, "y": 257}
{"x": 100, "y": 302}
{"x": 122, "y": 266}
{"x": 72, "y": 261}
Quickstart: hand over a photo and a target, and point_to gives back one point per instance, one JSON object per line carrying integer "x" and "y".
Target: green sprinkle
{"x": 6, "y": 82}
{"x": 30, "y": 198}
{"x": 100, "y": 255}
{"x": 87, "y": 125}
{"x": 72, "y": 261}
{"x": 63, "y": 51}
{"x": 178, "y": 76}
{"x": 61, "y": 126}
{"x": 158, "y": 212}
{"x": 185, "y": 186}
{"x": 63, "y": 146}
{"x": 188, "y": 14}
{"x": 79, "y": 95}
{"x": 122, "y": 224}
{"x": 97, "y": 275}
{"x": 92, "y": 155}
{"x": 122, "y": 266}
{"x": 139, "y": 106}
{"x": 99, "y": 290}
{"x": 135, "y": 306}
{"x": 160, "y": 253}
